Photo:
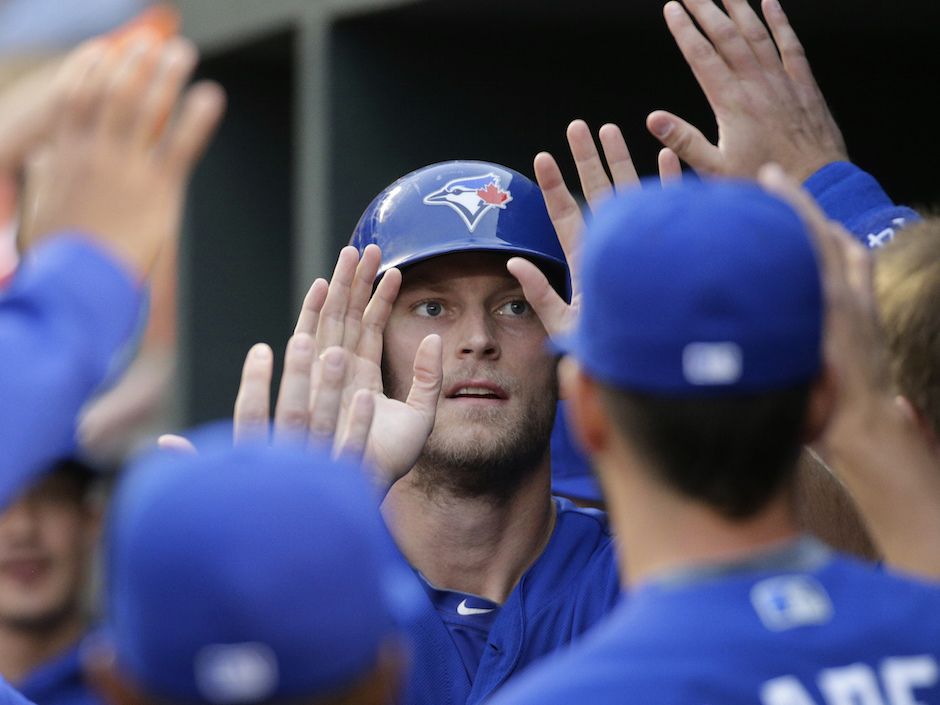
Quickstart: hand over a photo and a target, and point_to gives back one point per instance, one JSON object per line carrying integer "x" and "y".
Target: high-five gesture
{"x": 331, "y": 389}
{"x": 760, "y": 86}
{"x": 556, "y": 315}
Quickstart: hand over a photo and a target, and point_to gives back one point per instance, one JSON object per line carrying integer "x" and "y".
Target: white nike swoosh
{"x": 464, "y": 611}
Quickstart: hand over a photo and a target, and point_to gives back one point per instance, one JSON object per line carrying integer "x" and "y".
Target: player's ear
{"x": 99, "y": 665}
{"x": 586, "y": 418}
{"x": 822, "y": 404}
{"x": 917, "y": 417}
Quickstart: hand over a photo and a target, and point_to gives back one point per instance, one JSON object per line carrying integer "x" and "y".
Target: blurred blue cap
{"x": 249, "y": 574}
{"x": 702, "y": 288}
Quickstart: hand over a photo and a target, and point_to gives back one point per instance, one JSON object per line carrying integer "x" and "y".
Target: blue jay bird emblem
{"x": 471, "y": 197}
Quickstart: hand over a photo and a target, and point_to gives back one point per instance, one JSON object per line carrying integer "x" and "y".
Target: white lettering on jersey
{"x": 850, "y": 685}
{"x": 784, "y": 691}
{"x": 876, "y": 240}
{"x": 903, "y": 675}
{"x": 858, "y": 684}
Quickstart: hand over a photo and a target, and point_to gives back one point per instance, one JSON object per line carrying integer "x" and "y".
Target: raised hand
{"x": 556, "y": 315}
{"x": 884, "y": 461}
{"x": 331, "y": 390}
{"x": 767, "y": 104}
{"x": 117, "y": 168}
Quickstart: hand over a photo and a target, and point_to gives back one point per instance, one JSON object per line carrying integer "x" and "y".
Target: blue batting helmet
{"x": 462, "y": 206}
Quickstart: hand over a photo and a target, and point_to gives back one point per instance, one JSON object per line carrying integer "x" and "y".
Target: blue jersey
{"x": 821, "y": 629}
{"x": 66, "y": 314}
{"x": 60, "y": 682}
{"x": 854, "y": 198}
{"x": 568, "y": 589}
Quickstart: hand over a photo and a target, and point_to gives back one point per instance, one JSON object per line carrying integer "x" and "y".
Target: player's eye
{"x": 429, "y": 309}
{"x": 516, "y": 307}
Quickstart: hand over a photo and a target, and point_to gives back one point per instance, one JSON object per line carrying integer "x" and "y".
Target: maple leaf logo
{"x": 493, "y": 195}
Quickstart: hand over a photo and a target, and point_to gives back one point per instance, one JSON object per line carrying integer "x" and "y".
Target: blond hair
{"x": 907, "y": 286}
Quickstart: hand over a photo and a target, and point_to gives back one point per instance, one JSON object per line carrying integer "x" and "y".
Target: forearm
{"x": 63, "y": 321}
{"x": 856, "y": 200}
{"x": 894, "y": 477}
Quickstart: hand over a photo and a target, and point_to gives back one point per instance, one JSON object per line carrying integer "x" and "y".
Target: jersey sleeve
{"x": 854, "y": 198}
{"x": 63, "y": 320}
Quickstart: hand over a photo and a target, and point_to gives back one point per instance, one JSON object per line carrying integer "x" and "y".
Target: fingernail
{"x": 672, "y": 9}
{"x": 661, "y": 127}
{"x": 261, "y": 352}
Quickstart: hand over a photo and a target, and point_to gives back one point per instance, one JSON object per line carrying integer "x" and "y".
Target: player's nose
{"x": 476, "y": 336}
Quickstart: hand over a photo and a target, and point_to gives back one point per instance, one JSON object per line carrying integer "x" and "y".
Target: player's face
{"x": 500, "y": 388}
{"x": 46, "y": 539}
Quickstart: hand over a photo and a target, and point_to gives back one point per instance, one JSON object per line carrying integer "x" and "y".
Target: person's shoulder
{"x": 581, "y": 523}
{"x": 607, "y": 662}
{"x": 901, "y": 593}
{"x": 581, "y": 541}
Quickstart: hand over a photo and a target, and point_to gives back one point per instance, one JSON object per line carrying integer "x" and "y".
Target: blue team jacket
{"x": 841, "y": 632}
{"x": 568, "y": 589}
{"x": 854, "y": 198}
{"x": 67, "y": 312}
{"x": 60, "y": 682}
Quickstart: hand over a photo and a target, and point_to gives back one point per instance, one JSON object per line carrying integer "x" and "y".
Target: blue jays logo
{"x": 471, "y": 197}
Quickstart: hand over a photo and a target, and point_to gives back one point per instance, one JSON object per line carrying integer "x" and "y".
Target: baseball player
{"x": 74, "y": 303}
{"x": 464, "y": 396}
{"x": 696, "y": 376}
{"x": 249, "y": 575}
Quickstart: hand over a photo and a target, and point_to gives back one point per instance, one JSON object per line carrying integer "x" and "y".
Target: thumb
{"x": 428, "y": 378}
{"x": 689, "y": 144}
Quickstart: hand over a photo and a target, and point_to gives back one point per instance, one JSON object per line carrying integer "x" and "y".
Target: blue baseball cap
{"x": 249, "y": 574}
{"x": 699, "y": 289}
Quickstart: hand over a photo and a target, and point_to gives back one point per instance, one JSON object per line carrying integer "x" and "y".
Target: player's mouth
{"x": 25, "y": 569}
{"x": 476, "y": 391}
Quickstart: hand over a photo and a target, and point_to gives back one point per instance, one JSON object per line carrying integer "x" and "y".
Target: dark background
{"x": 395, "y": 89}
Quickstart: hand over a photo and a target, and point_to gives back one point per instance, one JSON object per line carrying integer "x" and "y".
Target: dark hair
{"x": 733, "y": 454}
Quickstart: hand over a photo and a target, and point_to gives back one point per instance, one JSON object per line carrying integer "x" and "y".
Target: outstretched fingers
{"x": 428, "y": 378}
{"x": 563, "y": 209}
{"x": 332, "y": 321}
{"x": 670, "y": 168}
{"x": 376, "y": 316}
{"x": 791, "y": 49}
{"x": 175, "y": 67}
{"x": 310, "y": 310}
{"x": 290, "y": 413}
{"x": 754, "y": 33}
{"x": 618, "y": 157}
{"x": 352, "y": 439}
{"x": 726, "y": 37}
{"x": 595, "y": 185}
{"x": 686, "y": 140}
{"x": 253, "y": 403}
{"x": 359, "y": 294}
{"x": 327, "y": 397}
{"x": 199, "y": 114}
{"x": 715, "y": 77}
{"x": 548, "y": 305}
